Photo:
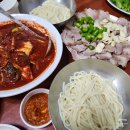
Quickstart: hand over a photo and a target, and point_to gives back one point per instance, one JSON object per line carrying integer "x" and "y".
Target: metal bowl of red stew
{"x": 23, "y": 60}
{"x": 34, "y": 109}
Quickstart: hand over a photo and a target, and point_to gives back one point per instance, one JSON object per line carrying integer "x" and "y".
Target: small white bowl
{"x": 22, "y": 105}
{"x": 8, "y": 127}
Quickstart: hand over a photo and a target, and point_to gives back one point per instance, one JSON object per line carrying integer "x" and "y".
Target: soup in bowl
{"x": 24, "y": 63}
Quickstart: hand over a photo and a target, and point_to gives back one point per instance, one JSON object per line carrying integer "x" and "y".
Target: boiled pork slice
{"x": 122, "y": 21}
{"x": 77, "y": 56}
{"x": 104, "y": 56}
{"x": 92, "y": 13}
{"x": 126, "y": 52}
{"x": 121, "y": 60}
{"x": 119, "y": 49}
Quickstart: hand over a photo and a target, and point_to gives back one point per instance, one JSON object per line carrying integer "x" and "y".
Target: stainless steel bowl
{"x": 25, "y": 6}
{"x": 120, "y": 79}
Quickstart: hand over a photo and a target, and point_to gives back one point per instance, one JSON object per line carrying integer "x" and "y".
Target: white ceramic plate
{"x": 59, "y": 48}
{"x": 109, "y": 1}
{"x": 8, "y": 127}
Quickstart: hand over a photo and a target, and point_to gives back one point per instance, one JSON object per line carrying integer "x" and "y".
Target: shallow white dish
{"x": 22, "y": 105}
{"x": 59, "y": 48}
{"x": 109, "y": 1}
{"x": 8, "y": 127}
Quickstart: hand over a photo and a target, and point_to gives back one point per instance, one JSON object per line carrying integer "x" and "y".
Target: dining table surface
{"x": 9, "y": 106}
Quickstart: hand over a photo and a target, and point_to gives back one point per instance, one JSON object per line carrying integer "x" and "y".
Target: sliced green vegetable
{"x": 95, "y": 39}
{"x": 100, "y": 36}
{"x": 83, "y": 34}
{"x": 96, "y": 32}
{"x": 90, "y": 29}
{"x": 81, "y": 20}
{"x": 101, "y": 30}
{"x": 91, "y": 47}
{"x": 89, "y": 32}
{"x": 88, "y": 37}
{"x": 89, "y": 18}
{"x": 84, "y": 29}
{"x": 78, "y": 25}
{"x": 104, "y": 29}
{"x": 85, "y": 20}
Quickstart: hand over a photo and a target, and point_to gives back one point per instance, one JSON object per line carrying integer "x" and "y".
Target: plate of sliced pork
{"x": 97, "y": 34}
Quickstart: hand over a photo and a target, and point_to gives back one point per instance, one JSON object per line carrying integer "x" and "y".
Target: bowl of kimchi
{"x": 24, "y": 63}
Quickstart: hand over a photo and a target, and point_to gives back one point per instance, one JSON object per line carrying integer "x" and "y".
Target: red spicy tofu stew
{"x": 22, "y": 55}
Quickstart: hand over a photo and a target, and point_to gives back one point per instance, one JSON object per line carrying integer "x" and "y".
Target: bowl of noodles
{"x": 58, "y": 12}
{"x": 90, "y": 95}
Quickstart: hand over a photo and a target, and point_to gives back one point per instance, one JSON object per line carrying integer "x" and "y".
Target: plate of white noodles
{"x": 90, "y": 95}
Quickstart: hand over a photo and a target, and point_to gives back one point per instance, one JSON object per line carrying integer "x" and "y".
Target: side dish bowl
{"x": 112, "y": 4}
{"x": 56, "y": 38}
{"x": 24, "y": 101}
{"x": 119, "y": 78}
